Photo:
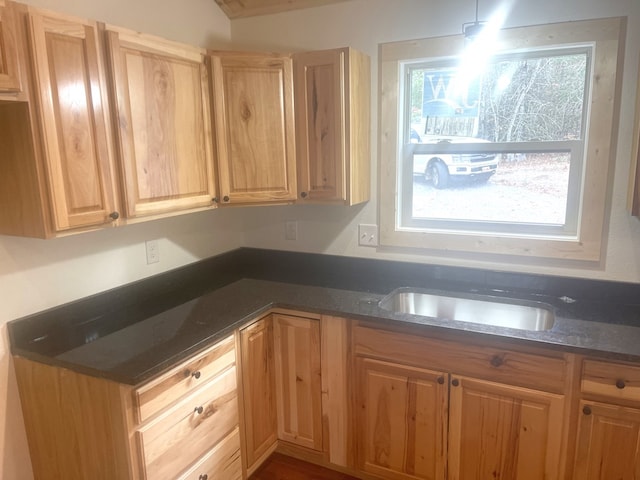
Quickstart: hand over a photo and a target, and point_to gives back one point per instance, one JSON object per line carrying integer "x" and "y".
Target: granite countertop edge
{"x": 233, "y": 306}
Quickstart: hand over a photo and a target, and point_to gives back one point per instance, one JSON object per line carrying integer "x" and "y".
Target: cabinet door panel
{"x": 298, "y": 380}
{"x": 499, "y": 431}
{"x": 255, "y": 130}
{"x": 320, "y": 97}
{"x": 9, "y": 70}
{"x": 608, "y": 443}
{"x": 258, "y": 383}
{"x": 164, "y": 127}
{"x": 70, "y": 80}
{"x": 402, "y": 420}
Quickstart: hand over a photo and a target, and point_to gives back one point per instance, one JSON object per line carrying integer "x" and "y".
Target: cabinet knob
{"x": 620, "y": 384}
{"x": 496, "y": 361}
{"x": 440, "y": 380}
{"x": 204, "y": 476}
{"x": 114, "y": 215}
{"x": 215, "y": 200}
{"x": 455, "y": 382}
{"x": 303, "y": 194}
{"x": 586, "y": 410}
{"x": 196, "y": 374}
{"x": 225, "y": 198}
{"x": 198, "y": 410}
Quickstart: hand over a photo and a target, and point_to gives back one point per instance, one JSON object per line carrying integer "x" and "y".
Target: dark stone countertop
{"x": 157, "y": 323}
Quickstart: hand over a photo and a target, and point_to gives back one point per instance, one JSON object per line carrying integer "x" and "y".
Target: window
{"x": 505, "y": 150}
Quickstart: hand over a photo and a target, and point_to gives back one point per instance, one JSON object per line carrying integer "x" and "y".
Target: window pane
{"x": 523, "y": 188}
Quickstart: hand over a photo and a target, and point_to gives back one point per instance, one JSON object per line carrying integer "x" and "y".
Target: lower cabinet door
{"x": 505, "y": 432}
{"x": 402, "y": 418}
{"x": 608, "y": 443}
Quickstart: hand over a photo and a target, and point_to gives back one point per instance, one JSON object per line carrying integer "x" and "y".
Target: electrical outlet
{"x": 291, "y": 230}
{"x": 368, "y": 235}
{"x": 153, "y": 251}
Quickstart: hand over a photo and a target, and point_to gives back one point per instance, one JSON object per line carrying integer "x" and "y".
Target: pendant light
{"x": 471, "y": 30}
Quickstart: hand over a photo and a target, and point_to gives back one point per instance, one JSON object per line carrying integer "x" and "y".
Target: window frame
{"x": 587, "y": 239}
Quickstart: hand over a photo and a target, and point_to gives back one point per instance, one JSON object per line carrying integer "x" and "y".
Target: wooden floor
{"x": 281, "y": 467}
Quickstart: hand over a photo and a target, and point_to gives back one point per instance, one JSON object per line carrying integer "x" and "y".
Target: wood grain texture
{"x": 190, "y": 428}
{"x": 165, "y": 143}
{"x": 333, "y": 96}
{"x": 166, "y": 389}
{"x": 298, "y": 380}
{"x": 500, "y": 431}
{"x": 279, "y": 467}
{"x": 542, "y": 372}
{"x": 259, "y": 391}
{"x": 10, "y": 78}
{"x": 69, "y": 75}
{"x": 613, "y": 380}
{"x": 336, "y": 392}
{"x": 255, "y": 131}
{"x": 608, "y": 442}
{"x": 250, "y": 8}
{"x": 221, "y": 463}
{"x": 73, "y": 423}
{"x": 402, "y": 420}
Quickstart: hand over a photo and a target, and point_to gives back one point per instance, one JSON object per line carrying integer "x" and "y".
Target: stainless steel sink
{"x": 485, "y": 310}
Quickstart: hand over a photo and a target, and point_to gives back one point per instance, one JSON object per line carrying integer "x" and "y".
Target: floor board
{"x": 282, "y": 467}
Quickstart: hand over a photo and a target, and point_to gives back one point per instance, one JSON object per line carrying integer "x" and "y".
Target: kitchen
{"x": 37, "y": 274}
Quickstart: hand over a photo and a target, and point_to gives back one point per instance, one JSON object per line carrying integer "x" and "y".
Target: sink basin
{"x": 475, "y": 309}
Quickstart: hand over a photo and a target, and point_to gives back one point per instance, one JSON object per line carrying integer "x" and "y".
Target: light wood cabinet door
{"x": 254, "y": 124}
{"x": 333, "y": 96}
{"x": 71, "y": 85}
{"x": 298, "y": 380}
{"x": 608, "y": 444}
{"x": 259, "y": 390}
{"x": 9, "y": 69}
{"x": 164, "y": 140}
{"x": 402, "y": 420}
{"x": 500, "y": 431}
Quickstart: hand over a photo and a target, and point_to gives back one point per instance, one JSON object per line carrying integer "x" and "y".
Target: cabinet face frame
{"x": 70, "y": 80}
{"x": 255, "y": 146}
{"x": 10, "y": 80}
{"x": 166, "y": 155}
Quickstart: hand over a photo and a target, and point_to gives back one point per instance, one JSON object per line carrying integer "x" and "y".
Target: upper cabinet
{"x": 163, "y": 131}
{"x": 254, "y": 124}
{"x": 333, "y": 102}
{"x": 9, "y": 70}
{"x": 57, "y": 169}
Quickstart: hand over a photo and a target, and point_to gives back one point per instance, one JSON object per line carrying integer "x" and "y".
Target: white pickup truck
{"x": 442, "y": 169}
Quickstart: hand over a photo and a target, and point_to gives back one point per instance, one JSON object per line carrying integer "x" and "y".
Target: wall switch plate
{"x": 291, "y": 230}
{"x": 368, "y": 235}
{"x": 153, "y": 251}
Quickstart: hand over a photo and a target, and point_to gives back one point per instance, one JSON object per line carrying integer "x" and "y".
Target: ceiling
{"x": 250, "y": 8}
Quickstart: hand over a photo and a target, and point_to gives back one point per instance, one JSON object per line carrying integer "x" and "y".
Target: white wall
{"x": 39, "y": 274}
{"x": 364, "y": 24}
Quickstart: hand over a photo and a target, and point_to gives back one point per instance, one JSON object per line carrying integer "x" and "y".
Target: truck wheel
{"x": 439, "y": 175}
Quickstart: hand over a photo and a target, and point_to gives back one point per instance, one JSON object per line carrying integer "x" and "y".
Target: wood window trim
{"x": 608, "y": 36}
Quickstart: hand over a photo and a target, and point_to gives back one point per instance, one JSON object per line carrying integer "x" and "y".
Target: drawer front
{"x": 221, "y": 463}
{"x": 183, "y": 433}
{"x": 487, "y": 362}
{"x": 613, "y": 380}
{"x": 163, "y": 391}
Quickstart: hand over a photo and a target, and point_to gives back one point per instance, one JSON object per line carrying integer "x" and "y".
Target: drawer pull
{"x": 196, "y": 374}
{"x": 496, "y": 361}
{"x": 198, "y": 410}
{"x": 204, "y": 476}
{"x": 586, "y": 410}
{"x": 620, "y": 384}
